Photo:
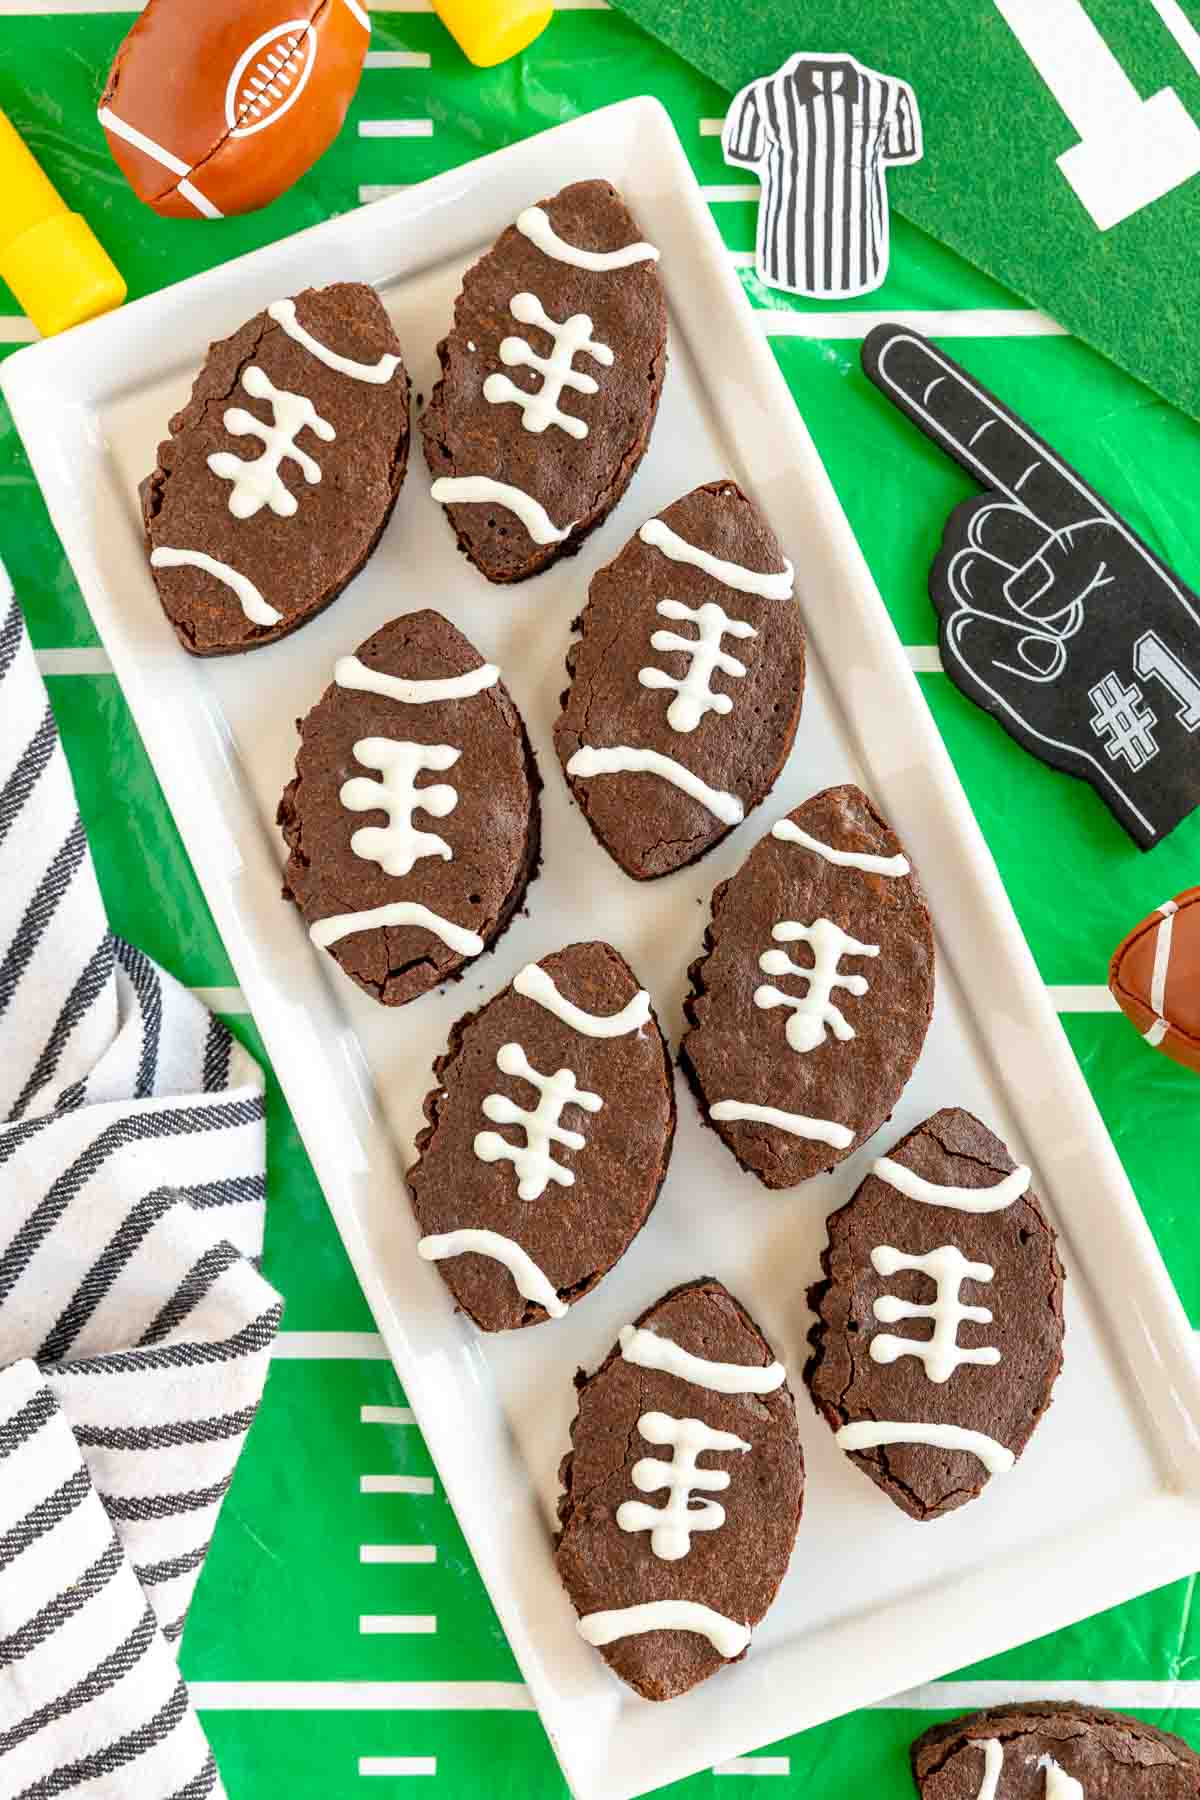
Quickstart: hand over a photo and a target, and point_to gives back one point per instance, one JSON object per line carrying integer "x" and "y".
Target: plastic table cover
{"x": 322, "y": 1673}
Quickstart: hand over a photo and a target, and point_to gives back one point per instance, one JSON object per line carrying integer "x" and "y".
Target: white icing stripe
{"x": 253, "y": 605}
{"x": 534, "y": 223}
{"x": 397, "y": 845}
{"x": 166, "y": 158}
{"x": 821, "y": 1131}
{"x": 1162, "y": 961}
{"x": 870, "y": 1433}
{"x": 814, "y": 1010}
{"x": 534, "y": 984}
{"x": 533, "y": 1163}
{"x": 397, "y": 912}
{"x": 651, "y": 1350}
{"x": 481, "y": 490}
{"x": 284, "y": 314}
{"x": 694, "y": 697}
{"x": 531, "y": 1282}
{"x": 993, "y": 1767}
{"x": 623, "y": 759}
{"x": 968, "y": 1200}
{"x": 727, "y": 1638}
{"x": 672, "y": 1524}
{"x": 942, "y": 1353}
{"x": 571, "y": 338}
{"x": 1060, "y": 1785}
{"x": 769, "y": 586}
{"x": 257, "y": 481}
{"x": 348, "y": 672}
{"x": 790, "y": 833}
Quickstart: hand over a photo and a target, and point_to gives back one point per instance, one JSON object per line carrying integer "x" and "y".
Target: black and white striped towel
{"x": 135, "y": 1329}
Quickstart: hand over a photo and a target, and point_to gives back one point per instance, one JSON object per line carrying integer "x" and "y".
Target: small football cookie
{"x": 811, "y": 1001}
{"x": 218, "y": 108}
{"x": 548, "y": 1137}
{"x": 940, "y": 1319}
{"x": 686, "y": 683}
{"x": 1155, "y": 978}
{"x": 689, "y": 1404}
{"x": 550, "y": 382}
{"x": 281, "y": 471}
{"x": 1053, "y": 1751}
{"x": 402, "y": 906}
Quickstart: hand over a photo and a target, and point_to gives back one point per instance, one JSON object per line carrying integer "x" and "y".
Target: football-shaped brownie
{"x": 1155, "y": 978}
{"x": 398, "y": 906}
{"x": 811, "y": 1001}
{"x": 281, "y": 471}
{"x": 550, "y": 382}
{"x": 940, "y": 1319}
{"x": 218, "y": 108}
{"x": 549, "y": 1132}
{"x": 686, "y": 682}
{"x": 1048, "y": 1750}
{"x": 690, "y": 1405}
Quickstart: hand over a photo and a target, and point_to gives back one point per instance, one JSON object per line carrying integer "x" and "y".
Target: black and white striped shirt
{"x": 819, "y": 133}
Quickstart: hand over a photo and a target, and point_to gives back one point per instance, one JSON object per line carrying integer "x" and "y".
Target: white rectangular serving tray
{"x": 1106, "y": 1501}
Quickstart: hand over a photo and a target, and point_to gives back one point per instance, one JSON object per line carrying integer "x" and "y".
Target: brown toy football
{"x": 1155, "y": 978}
{"x": 218, "y": 108}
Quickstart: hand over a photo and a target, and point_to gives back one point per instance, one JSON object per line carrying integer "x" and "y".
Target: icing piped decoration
{"x": 821, "y": 1131}
{"x": 651, "y": 1350}
{"x": 693, "y": 695}
{"x": 869, "y": 1434}
{"x": 624, "y": 759}
{"x": 349, "y": 672}
{"x": 481, "y": 490}
{"x": 941, "y": 1354}
{"x": 534, "y": 223}
{"x": 533, "y": 1164}
{"x": 531, "y": 1282}
{"x": 671, "y": 1525}
{"x": 396, "y": 912}
{"x": 540, "y": 409}
{"x": 252, "y": 603}
{"x": 968, "y": 1200}
{"x": 397, "y": 845}
{"x": 284, "y": 314}
{"x": 813, "y": 1010}
{"x": 257, "y": 483}
{"x": 993, "y": 1767}
{"x": 1060, "y": 1785}
{"x": 726, "y": 1636}
{"x": 769, "y": 586}
{"x": 535, "y": 984}
{"x": 894, "y": 866}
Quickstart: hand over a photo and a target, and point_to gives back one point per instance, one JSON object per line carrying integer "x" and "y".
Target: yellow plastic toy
{"x": 490, "y": 31}
{"x": 58, "y": 271}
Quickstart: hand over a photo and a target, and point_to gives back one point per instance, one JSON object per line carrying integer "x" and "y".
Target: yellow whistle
{"x": 57, "y": 269}
{"x": 490, "y": 31}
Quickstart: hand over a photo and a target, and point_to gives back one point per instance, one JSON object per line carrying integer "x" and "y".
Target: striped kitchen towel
{"x": 135, "y": 1329}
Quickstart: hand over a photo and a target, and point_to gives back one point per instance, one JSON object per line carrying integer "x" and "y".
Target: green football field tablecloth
{"x": 296, "y": 1625}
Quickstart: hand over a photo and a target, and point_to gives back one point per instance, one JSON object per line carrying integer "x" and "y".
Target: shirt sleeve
{"x": 902, "y": 143}
{"x": 742, "y": 133}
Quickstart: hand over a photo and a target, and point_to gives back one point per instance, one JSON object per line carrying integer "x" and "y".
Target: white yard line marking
{"x": 755, "y": 1765}
{"x": 396, "y": 59}
{"x": 92, "y": 661}
{"x": 397, "y": 1624}
{"x": 386, "y": 1415}
{"x": 397, "y": 1765}
{"x": 711, "y": 127}
{"x": 397, "y": 1553}
{"x": 395, "y": 128}
{"x": 742, "y": 259}
{"x": 731, "y": 191}
{"x": 924, "y": 659}
{"x": 222, "y": 999}
{"x": 395, "y": 1484}
{"x": 974, "y": 1696}
{"x": 971, "y": 321}
{"x": 1180, "y": 28}
{"x": 368, "y": 1346}
{"x": 15, "y": 328}
{"x": 361, "y": 1696}
{"x": 370, "y": 191}
{"x": 1082, "y": 999}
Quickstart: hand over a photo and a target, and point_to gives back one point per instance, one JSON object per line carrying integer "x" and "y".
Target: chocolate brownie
{"x": 401, "y": 907}
{"x": 939, "y": 1332}
{"x": 686, "y": 683}
{"x": 281, "y": 471}
{"x": 1048, "y": 1750}
{"x": 668, "y": 1591}
{"x": 796, "y": 1071}
{"x": 550, "y": 382}
{"x": 549, "y": 1132}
